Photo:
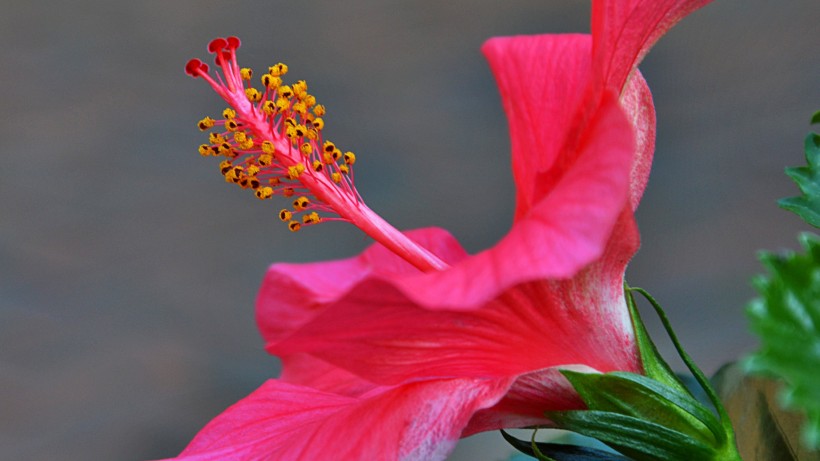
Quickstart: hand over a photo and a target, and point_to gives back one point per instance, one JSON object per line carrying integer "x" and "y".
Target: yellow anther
{"x": 301, "y": 203}
{"x": 269, "y": 107}
{"x": 344, "y": 169}
{"x": 232, "y": 175}
{"x": 319, "y": 110}
{"x": 268, "y": 148}
{"x": 300, "y": 108}
{"x": 248, "y": 182}
{"x": 285, "y": 91}
{"x": 216, "y": 138}
{"x": 290, "y": 121}
{"x": 350, "y": 158}
{"x": 295, "y": 171}
{"x": 278, "y": 70}
{"x": 282, "y": 104}
{"x": 206, "y": 123}
{"x": 246, "y": 144}
{"x": 317, "y": 166}
{"x": 270, "y": 81}
{"x": 294, "y": 226}
{"x": 228, "y": 114}
{"x": 312, "y": 134}
{"x": 240, "y": 136}
{"x": 310, "y": 100}
{"x": 311, "y": 218}
{"x": 265, "y": 160}
{"x": 295, "y": 132}
{"x": 328, "y": 157}
{"x": 253, "y": 94}
{"x": 205, "y": 150}
{"x": 328, "y": 146}
{"x": 300, "y": 90}
{"x": 274, "y": 181}
{"x": 225, "y": 166}
{"x": 337, "y": 154}
{"x": 252, "y": 170}
{"x": 246, "y": 73}
{"x": 306, "y": 149}
{"x": 231, "y": 125}
{"x": 226, "y": 150}
{"x": 285, "y": 214}
{"x": 336, "y": 177}
{"x": 264, "y": 192}
{"x": 318, "y": 123}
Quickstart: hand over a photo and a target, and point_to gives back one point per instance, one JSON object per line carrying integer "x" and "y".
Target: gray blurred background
{"x": 128, "y": 269}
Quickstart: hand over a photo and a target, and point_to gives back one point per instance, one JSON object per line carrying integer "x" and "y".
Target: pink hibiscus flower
{"x": 385, "y": 361}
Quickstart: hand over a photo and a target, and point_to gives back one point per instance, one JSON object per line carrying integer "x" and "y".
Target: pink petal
{"x": 376, "y": 331}
{"x": 624, "y": 30}
{"x": 526, "y": 400}
{"x": 563, "y": 232}
{"x": 306, "y": 370}
{"x": 540, "y": 78}
{"x": 636, "y": 101}
{"x": 292, "y": 294}
{"x": 419, "y": 421}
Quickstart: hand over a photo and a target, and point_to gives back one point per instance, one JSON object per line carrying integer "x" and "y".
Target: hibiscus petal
{"x": 379, "y": 333}
{"x": 624, "y": 30}
{"x": 292, "y": 294}
{"x": 563, "y": 232}
{"x": 306, "y": 370}
{"x": 526, "y": 400}
{"x": 419, "y": 421}
{"x": 540, "y": 79}
{"x": 636, "y": 101}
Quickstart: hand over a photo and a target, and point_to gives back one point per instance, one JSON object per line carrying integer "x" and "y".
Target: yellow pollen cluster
{"x": 288, "y": 158}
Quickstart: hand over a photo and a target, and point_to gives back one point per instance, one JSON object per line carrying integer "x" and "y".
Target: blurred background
{"x": 128, "y": 269}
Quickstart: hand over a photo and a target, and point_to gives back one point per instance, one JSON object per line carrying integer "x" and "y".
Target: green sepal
{"x": 546, "y": 451}
{"x": 639, "y": 439}
{"x": 641, "y": 397}
{"x": 786, "y": 316}
{"x": 807, "y": 178}
{"x": 650, "y": 417}
{"x": 654, "y": 366}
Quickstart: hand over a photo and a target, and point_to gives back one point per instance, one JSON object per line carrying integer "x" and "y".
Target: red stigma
{"x": 234, "y": 43}
{"x": 194, "y": 67}
{"x": 216, "y": 45}
{"x": 220, "y": 44}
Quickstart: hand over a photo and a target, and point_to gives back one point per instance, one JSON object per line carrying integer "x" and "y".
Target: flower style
{"x": 397, "y": 353}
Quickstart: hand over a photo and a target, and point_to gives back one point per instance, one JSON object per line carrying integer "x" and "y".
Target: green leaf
{"x": 561, "y": 452}
{"x": 786, "y": 316}
{"x": 807, "y": 206}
